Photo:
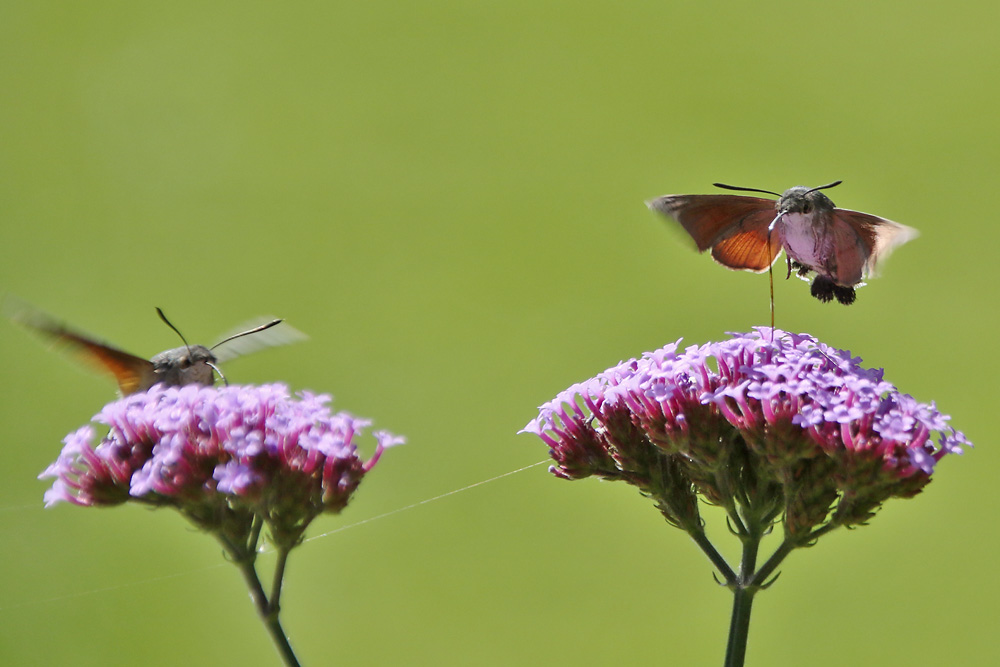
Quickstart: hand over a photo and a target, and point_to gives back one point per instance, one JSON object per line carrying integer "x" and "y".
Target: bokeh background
{"x": 448, "y": 198}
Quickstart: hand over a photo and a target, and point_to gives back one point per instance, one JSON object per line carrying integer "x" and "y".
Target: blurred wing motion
{"x": 733, "y": 226}
{"x": 876, "y": 236}
{"x": 275, "y": 336}
{"x": 131, "y": 372}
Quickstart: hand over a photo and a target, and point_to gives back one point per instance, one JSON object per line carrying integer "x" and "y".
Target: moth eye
{"x": 806, "y": 207}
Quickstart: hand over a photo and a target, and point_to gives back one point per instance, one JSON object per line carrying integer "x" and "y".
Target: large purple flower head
{"x": 222, "y": 456}
{"x": 781, "y": 423}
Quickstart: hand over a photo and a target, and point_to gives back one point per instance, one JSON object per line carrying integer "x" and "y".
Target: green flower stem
{"x": 279, "y": 575}
{"x": 255, "y": 528}
{"x": 736, "y": 526}
{"x": 761, "y": 575}
{"x": 268, "y": 614}
{"x": 743, "y": 593}
{"x": 756, "y": 522}
{"x": 739, "y": 625}
{"x": 713, "y": 555}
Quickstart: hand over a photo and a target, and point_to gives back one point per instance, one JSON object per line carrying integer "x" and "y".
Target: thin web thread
{"x": 165, "y": 577}
{"x": 422, "y": 502}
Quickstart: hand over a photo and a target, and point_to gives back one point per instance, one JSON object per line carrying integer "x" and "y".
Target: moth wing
{"x": 747, "y": 247}
{"x": 877, "y": 236}
{"x": 131, "y": 372}
{"x": 709, "y": 219}
{"x": 850, "y": 249}
{"x": 279, "y": 334}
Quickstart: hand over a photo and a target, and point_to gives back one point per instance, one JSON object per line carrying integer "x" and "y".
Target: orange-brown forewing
{"x": 733, "y": 226}
{"x": 132, "y": 373}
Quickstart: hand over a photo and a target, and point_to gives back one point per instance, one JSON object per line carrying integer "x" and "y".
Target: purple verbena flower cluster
{"x": 218, "y": 455}
{"x": 789, "y": 425}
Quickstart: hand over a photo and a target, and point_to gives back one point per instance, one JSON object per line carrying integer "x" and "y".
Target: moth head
{"x": 801, "y": 199}
{"x": 191, "y": 364}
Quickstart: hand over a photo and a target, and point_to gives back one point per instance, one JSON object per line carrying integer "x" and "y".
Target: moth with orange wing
{"x": 190, "y": 364}
{"x": 842, "y": 247}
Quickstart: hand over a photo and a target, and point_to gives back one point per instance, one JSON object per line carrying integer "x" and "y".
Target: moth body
{"x": 181, "y": 366}
{"x": 840, "y": 246}
{"x": 189, "y": 364}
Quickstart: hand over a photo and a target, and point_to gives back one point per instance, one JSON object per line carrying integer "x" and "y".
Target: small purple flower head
{"x": 790, "y": 426}
{"x": 219, "y": 455}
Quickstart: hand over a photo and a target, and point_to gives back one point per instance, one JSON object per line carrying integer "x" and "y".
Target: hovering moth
{"x": 842, "y": 247}
{"x": 189, "y": 364}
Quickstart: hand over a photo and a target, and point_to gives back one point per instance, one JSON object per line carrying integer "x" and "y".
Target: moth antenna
{"x": 219, "y": 371}
{"x": 247, "y": 333}
{"x": 767, "y": 192}
{"x": 824, "y": 187}
{"x": 176, "y": 330}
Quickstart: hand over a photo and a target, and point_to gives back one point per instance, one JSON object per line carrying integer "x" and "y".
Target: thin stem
{"x": 279, "y": 574}
{"x": 713, "y": 555}
{"x": 739, "y": 626}
{"x": 772, "y": 563}
{"x": 268, "y": 614}
{"x": 823, "y": 530}
{"x": 786, "y": 548}
{"x": 736, "y": 520}
{"x": 255, "y": 529}
{"x": 744, "y": 588}
{"x": 749, "y": 561}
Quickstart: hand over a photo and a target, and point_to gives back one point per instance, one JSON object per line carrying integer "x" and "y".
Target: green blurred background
{"x": 448, "y": 198}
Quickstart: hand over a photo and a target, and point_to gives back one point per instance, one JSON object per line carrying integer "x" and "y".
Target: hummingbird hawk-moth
{"x": 189, "y": 364}
{"x": 842, "y": 247}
